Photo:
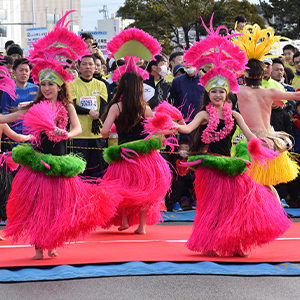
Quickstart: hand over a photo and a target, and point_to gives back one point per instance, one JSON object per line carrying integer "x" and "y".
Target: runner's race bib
{"x": 23, "y": 104}
{"x": 89, "y": 102}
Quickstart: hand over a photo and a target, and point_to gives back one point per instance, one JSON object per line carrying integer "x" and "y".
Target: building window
{"x": 3, "y": 32}
{"x": 56, "y": 18}
{"x": 50, "y": 18}
{"x": 2, "y": 14}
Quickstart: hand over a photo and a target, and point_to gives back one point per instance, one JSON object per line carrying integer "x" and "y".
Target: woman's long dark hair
{"x": 197, "y": 144}
{"x": 64, "y": 95}
{"x": 131, "y": 93}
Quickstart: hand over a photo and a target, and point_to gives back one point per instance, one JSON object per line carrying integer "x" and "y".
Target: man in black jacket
{"x": 280, "y": 120}
{"x": 156, "y": 89}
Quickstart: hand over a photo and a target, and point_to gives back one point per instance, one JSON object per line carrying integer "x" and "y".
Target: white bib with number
{"x": 89, "y": 102}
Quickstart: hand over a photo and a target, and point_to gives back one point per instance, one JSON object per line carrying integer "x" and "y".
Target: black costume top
{"x": 221, "y": 147}
{"x": 134, "y": 134}
{"x": 54, "y": 148}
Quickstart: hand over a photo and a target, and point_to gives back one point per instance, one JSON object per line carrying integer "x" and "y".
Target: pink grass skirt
{"x": 233, "y": 214}
{"x": 145, "y": 180}
{"x": 50, "y": 211}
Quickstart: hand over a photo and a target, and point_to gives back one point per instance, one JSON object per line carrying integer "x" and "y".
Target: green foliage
{"x": 225, "y": 12}
{"x": 286, "y": 14}
{"x": 163, "y": 18}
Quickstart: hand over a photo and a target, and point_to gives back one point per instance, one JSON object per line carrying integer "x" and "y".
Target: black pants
{"x": 95, "y": 164}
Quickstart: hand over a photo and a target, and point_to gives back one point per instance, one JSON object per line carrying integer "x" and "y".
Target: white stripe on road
{"x": 129, "y": 241}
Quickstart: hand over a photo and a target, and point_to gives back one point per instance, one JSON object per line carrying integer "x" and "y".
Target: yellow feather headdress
{"x": 257, "y": 42}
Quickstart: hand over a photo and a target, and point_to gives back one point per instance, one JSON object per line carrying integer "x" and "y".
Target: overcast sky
{"x": 90, "y": 11}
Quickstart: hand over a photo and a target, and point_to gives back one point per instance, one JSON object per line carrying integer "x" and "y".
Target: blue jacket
{"x": 23, "y": 97}
{"x": 188, "y": 91}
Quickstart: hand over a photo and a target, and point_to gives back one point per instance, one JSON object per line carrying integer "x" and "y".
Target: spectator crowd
{"x": 171, "y": 79}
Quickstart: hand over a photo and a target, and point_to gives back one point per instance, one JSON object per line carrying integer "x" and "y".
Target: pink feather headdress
{"x": 61, "y": 37}
{"x": 44, "y": 62}
{"x": 132, "y": 43}
{"x": 130, "y": 66}
{"x": 7, "y": 84}
{"x": 219, "y": 50}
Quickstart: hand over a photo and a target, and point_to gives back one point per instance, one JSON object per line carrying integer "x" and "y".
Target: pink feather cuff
{"x": 259, "y": 152}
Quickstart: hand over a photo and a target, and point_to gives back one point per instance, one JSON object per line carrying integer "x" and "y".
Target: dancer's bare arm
{"x": 278, "y": 96}
{"x": 13, "y": 135}
{"x": 199, "y": 118}
{"x": 15, "y": 116}
{"x": 113, "y": 113}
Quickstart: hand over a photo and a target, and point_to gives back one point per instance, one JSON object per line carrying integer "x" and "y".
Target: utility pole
{"x": 32, "y": 10}
{"x": 71, "y": 8}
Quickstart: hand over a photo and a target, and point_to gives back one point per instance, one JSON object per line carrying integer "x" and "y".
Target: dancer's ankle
{"x": 39, "y": 254}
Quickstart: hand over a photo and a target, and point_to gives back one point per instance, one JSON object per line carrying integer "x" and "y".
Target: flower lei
{"x": 62, "y": 123}
{"x": 209, "y": 134}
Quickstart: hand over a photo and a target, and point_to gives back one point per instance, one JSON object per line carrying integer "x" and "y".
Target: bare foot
{"x": 52, "y": 253}
{"x": 138, "y": 231}
{"x": 1, "y": 238}
{"x": 125, "y": 224}
{"x": 39, "y": 254}
{"x": 240, "y": 253}
{"x": 123, "y": 227}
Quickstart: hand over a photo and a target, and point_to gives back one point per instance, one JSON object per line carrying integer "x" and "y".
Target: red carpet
{"x": 161, "y": 243}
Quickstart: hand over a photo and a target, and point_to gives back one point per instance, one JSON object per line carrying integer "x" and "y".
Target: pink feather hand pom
{"x": 160, "y": 122}
{"x": 40, "y": 118}
{"x": 163, "y": 119}
{"x": 168, "y": 109}
{"x": 259, "y": 152}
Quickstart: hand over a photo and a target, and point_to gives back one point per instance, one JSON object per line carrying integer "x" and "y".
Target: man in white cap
{"x": 267, "y": 81}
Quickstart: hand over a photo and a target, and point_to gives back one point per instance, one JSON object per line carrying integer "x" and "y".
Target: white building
{"x": 42, "y": 13}
{"x": 113, "y": 26}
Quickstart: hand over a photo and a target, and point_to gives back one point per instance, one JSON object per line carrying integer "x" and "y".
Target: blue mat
{"x": 190, "y": 215}
{"x": 141, "y": 268}
{"x": 294, "y": 212}
{"x": 179, "y": 216}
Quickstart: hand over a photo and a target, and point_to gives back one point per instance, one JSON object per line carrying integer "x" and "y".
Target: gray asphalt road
{"x": 183, "y": 287}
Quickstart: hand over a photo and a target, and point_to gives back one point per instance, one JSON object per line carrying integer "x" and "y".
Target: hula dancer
{"x": 234, "y": 213}
{"x": 144, "y": 175}
{"x": 49, "y": 203}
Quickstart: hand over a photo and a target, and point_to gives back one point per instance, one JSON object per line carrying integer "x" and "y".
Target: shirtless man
{"x": 255, "y": 105}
